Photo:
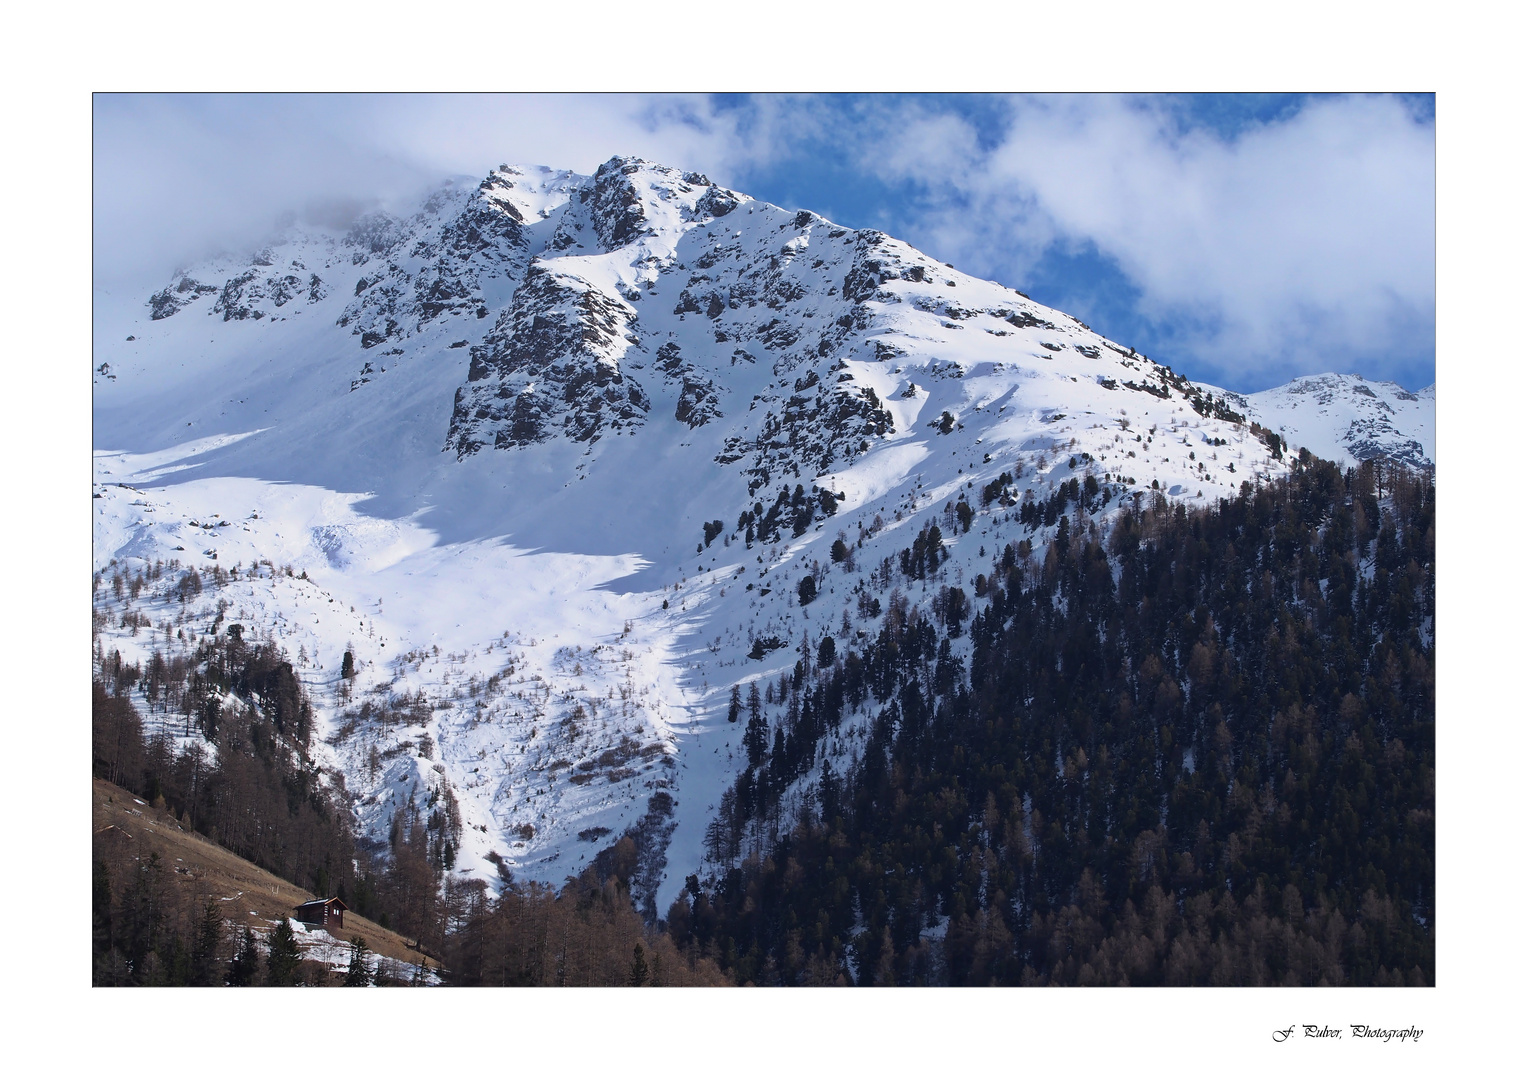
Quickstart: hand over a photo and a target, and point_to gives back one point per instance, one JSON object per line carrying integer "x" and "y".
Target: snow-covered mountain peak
{"x": 1348, "y": 419}
{"x": 529, "y": 192}
{"x": 628, "y": 199}
{"x": 558, "y": 453}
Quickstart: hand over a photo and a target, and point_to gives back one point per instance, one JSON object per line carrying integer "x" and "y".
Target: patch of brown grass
{"x": 125, "y": 827}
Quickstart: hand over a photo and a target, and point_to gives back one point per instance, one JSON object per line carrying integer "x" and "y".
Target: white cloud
{"x": 177, "y": 176}
{"x": 1291, "y": 247}
{"x": 1296, "y": 241}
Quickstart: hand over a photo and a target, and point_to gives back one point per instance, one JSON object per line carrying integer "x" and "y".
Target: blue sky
{"x": 1243, "y": 239}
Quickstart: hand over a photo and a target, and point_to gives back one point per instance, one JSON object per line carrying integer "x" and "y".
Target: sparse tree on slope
{"x": 282, "y": 960}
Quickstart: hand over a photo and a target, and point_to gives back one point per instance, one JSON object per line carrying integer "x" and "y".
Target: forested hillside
{"x": 225, "y": 753}
{"x": 1196, "y": 748}
{"x": 169, "y": 907}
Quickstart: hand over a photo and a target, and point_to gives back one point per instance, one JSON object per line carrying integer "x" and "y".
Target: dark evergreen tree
{"x": 640, "y": 975}
{"x": 206, "y": 950}
{"x": 100, "y": 910}
{"x": 140, "y": 919}
{"x": 755, "y": 739}
{"x": 244, "y": 969}
{"x": 359, "y": 973}
{"x": 282, "y": 956}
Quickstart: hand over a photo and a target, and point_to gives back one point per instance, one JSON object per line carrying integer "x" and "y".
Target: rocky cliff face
{"x": 550, "y": 366}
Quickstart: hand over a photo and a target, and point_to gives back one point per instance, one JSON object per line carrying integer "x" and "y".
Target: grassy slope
{"x": 203, "y": 869}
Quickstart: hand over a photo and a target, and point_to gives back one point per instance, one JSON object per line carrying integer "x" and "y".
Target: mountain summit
{"x": 558, "y": 461}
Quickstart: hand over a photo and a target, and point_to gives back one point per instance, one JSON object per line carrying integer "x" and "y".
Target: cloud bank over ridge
{"x": 1240, "y": 241}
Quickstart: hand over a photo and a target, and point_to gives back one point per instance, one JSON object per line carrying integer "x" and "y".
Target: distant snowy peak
{"x": 1347, "y": 418}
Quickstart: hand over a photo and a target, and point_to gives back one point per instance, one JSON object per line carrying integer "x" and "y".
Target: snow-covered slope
{"x": 551, "y": 456}
{"x": 1347, "y": 418}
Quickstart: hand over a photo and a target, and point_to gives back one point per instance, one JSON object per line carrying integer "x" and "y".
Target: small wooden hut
{"x": 329, "y": 914}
